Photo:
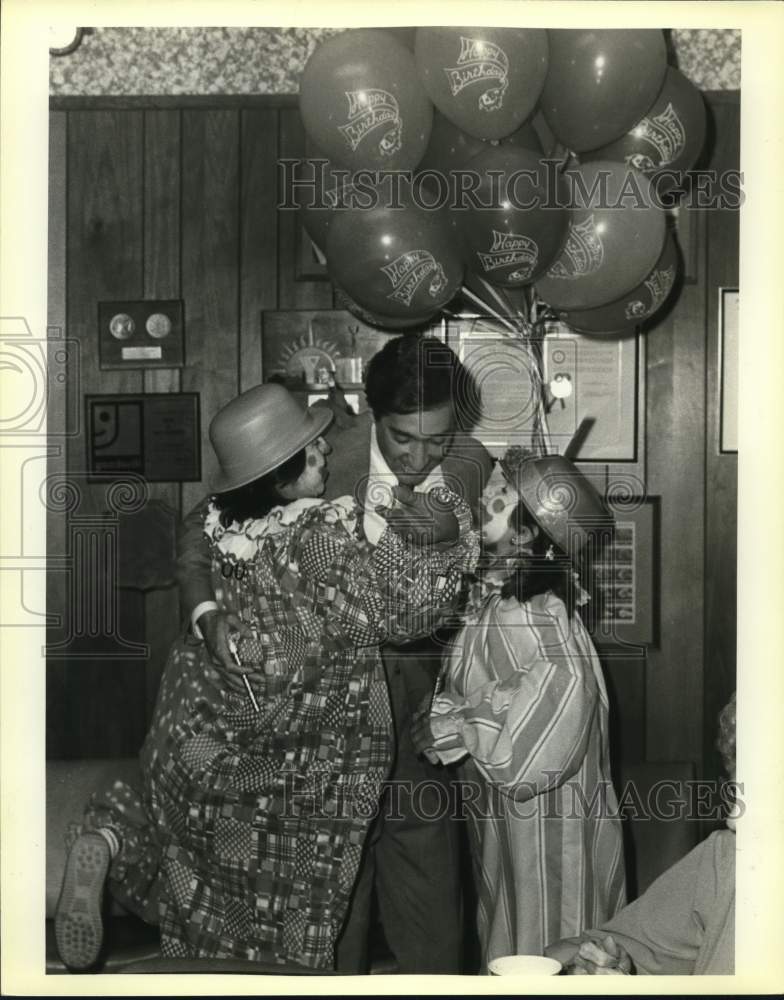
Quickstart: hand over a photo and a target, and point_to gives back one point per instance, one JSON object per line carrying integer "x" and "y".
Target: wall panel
{"x": 161, "y": 262}
{"x": 210, "y": 267}
{"x": 104, "y": 705}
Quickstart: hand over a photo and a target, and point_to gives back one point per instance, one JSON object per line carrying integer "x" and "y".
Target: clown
{"x": 521, "y": 704}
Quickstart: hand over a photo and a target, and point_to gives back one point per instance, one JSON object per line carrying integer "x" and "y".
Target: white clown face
{"x": 499, "y": 501}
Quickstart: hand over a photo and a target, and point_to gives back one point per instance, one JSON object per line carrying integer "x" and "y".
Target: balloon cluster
{"x": 531, "y": 158}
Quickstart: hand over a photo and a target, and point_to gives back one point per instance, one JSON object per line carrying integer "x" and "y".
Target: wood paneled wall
{"x": 177, "y": 198}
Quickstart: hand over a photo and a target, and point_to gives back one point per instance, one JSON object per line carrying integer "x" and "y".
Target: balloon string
{"x": 503, "y": 301}
{"x": 486, "y": 308}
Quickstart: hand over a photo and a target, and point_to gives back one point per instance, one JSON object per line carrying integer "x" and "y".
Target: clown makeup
{"x": 499, "y": 502}
{"x": 313, "y": 480}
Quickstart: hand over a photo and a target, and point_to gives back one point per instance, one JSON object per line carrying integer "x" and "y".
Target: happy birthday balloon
{"x": 398, "y": 263}
{"x": 671, "y": 135}
{"x": 485, "y": 80}
{"x": 519, "y": 223}
{"x": 361, "y": 102}
{"x": 601, "y": 83}
{"x": 616, "y": 235}
{"x": 636, "y": 307}
{"x": 390, "y": 323}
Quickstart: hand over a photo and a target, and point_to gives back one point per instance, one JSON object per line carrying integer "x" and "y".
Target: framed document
{"x": 155, "y": 435}
{"x": 503, "y": 369}
{"x": 601, "y": 378}
{"x": 729, "y": 316}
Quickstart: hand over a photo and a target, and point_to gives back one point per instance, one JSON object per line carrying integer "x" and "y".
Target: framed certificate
{"x": 601, "y": 378}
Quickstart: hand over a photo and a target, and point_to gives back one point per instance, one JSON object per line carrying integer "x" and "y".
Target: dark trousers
{"x": 412, "y": 853}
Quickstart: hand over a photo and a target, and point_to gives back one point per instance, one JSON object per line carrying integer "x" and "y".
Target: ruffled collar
{"x": 241, "y": 542}
{"x": 490, "y": 581}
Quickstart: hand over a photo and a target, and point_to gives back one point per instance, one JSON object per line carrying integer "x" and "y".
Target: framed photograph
{"x": 729, "y": 317}
{"x": 155, "y": 435}
{"x": 624, "y": 608}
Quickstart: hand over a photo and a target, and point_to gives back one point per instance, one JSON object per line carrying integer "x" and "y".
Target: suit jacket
{"x": 411, "y": 669}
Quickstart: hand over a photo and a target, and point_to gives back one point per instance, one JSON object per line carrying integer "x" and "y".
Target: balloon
{"x": 485, "y": 80}
{"x": 361, "y": 102}
{"x": 450, "y": 148}
{"x": 637, "y": 306}
{"x": 322, "y": 190}
{"x": 344, "y": 301}
{"x": 525, "y": 137}
{"x": 400, "y": 263}
{"x": 519, "y": 224}
{"x": 616, "y": 234}
{"x": 671, "y": 134}
{"x": 406, "y": 36}
{"x": 600, "y": 83}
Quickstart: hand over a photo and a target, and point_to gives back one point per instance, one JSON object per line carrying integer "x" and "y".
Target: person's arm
{"x": 197, "y": 597}
{"x": 527, "y": 733}
{"x": 664, "y": 929}
{"x": 367, "y": 594}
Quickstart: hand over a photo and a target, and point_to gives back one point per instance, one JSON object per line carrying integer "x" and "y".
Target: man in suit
{"x": 418, "y": 394}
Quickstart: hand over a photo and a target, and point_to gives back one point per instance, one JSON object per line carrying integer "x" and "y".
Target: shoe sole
{"x": 78, "y": 922}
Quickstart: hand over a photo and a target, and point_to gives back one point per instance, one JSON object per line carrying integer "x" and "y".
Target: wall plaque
{"x": 155, "y": 435}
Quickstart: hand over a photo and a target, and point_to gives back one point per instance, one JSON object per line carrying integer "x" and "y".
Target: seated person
{"x": 684, "y": 924}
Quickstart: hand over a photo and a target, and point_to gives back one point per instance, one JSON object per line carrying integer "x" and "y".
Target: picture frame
{"x": 729, "y": 320}
{"x": 601, "y": 421}
{"x": 311, "y": 264}
{"x": 141, "y": 333}
{"x": 624, "y": 580}
{"x": 154, "y": 435}
{"x": 503, "y": 369}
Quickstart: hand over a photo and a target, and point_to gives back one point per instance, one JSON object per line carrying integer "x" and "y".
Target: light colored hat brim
{"x": 317, "y": 419}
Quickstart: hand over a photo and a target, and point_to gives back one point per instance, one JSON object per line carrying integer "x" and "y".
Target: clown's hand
{"x": 421, "y": 518}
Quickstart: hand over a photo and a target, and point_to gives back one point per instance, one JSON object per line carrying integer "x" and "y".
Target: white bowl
{"x": 523, "y": 965}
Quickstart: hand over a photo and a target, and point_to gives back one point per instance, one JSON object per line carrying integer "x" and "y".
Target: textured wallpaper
{"x": 270, "y": 60}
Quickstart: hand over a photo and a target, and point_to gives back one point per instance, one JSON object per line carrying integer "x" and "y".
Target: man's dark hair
{"x": 414, "y": 373}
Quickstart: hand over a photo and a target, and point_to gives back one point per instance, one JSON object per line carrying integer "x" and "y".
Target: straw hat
{"x": 260, "y": 430}
{"x": 559, "y": 497}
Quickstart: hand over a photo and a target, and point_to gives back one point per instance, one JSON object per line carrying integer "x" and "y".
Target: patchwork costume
{"x": 260, "y": 817}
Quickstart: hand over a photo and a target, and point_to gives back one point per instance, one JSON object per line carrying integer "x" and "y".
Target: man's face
{"x": 414, "y": 443}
